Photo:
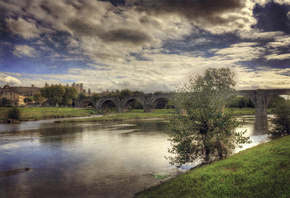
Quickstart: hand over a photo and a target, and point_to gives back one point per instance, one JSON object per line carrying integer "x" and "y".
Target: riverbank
{"x": 261, "y": 171}
{"x": 137, "y": 114}
{"x": 44, "y": 113}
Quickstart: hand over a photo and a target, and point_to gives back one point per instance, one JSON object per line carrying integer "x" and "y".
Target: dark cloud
{"x": 272, "y": 17}
{"x": 126, "y": 36}
{"x": 83, "y": 29}
{"x": 195, "y": 10}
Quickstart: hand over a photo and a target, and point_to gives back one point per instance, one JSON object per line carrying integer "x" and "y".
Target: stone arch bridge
{"x": 260, "y": 98}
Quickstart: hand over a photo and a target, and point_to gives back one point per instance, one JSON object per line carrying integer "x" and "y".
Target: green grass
{"x": 261, "y": 171}
{"x": 131, "y": 115}
{"x": 246, "y": 111}
{"x": 41, "y": 113}
{"x": 139, "y": 114}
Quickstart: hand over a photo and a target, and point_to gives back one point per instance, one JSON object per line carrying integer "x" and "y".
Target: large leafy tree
{"x": 37, "y": 97}
{"x": 53, "y": 93}
{"x": 205, "y": 131}
{"x": 281, "y": 121}
{"x": 69, "y": 94}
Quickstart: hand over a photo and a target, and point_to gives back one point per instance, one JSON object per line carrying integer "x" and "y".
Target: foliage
{"x": 275, "y": 102}
{"x": 126, "y": 92}
{"x": 162, "y": 103}
{"x": 281, "y": 121}
{"x": 240, "y": 102}
{"x": 96, "y": 97}
{"x": 6, "y": 102}
{"x": 206, "y": 131}
{"x": 70, "y": 94}
{"x": 135, "y": 104}
{"x": 81, "y": 96}
{"x": 14, "y": 113}
{"x": 57, "y": 94}
{"x": 37, "y": 97}
{"x": 137, "y": 92}
{"x": 261, "y": 171}
{"x": 27, "y": 100}
{"x": 53, "y": 93}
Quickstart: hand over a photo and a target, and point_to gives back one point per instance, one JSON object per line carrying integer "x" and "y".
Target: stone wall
{"x": 25, "y": 91}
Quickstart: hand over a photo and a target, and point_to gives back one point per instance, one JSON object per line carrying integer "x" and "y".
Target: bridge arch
{"x": 107, "y": 105}
{"x": 261, "y": 99}
{"x": 164, "y": 100}
{"x": 126, "y": 104}
{"x": 86, "y": 101}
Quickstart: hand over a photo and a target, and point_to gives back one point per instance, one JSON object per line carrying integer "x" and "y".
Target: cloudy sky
{"x": 147, "y": 45}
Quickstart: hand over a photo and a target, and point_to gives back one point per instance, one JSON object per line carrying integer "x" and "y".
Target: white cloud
{"x": 278, "y": 56}
{"x": 264, "y": 2}
{"x": 264, "y": 79}
{"x": 25, "y": 50}
{"x": 282, "y": 41}
{"x": 257, "y": 35}
{"x": 22, "y": 28}
{"x": 9, "y": 79}
{"x": 241, "y": 52}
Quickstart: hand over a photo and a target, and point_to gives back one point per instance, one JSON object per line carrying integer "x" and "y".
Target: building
{"x": 25, "y": 91}
{"x": 15, "y": 98}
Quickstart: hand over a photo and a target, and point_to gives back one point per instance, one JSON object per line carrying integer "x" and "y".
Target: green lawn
{"x": 40, "y": 113}
{"x": 261, "y": 171}
{"x": 131, "y": 115}
{"x": 139, "y": 114}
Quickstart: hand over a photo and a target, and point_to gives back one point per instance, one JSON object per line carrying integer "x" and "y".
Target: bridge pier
{"x": 261, "y": 99}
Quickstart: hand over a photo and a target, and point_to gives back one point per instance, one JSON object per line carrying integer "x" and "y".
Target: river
{"x": 91, "y": 159}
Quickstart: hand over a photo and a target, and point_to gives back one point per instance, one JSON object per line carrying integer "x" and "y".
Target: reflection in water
{"x": 89, "y": 160}
{"x": 261, "y": 126}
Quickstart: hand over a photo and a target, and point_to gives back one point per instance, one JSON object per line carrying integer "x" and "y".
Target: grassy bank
{"x": 139, "y": 114}
{"x": 131, "y": 115}
{"x": 261, "y": 171}
{"x": 42, "y": 113}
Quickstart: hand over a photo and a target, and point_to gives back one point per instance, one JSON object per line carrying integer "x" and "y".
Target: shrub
{"x": 14, "y": 113}
{"x": 281, "y": 121}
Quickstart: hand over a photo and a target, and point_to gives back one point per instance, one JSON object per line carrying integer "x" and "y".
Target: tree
{"x": 281, "y": 121}
{"x": 37, "y": 97}
{"x": 14, "y": 113}
{"x": 27, "y": 100}
{"x": 275, "y": 102}
{"x": 81, "y": 96}
{"x": 96, "y": 97}
{"x": 6, "y": 102}
{"x": 70, "y": 94}
{"x": 53, "y": 93}
{"x": 205, "y": 131}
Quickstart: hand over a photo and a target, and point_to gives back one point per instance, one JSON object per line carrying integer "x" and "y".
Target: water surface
{"x": 90, "y": 159}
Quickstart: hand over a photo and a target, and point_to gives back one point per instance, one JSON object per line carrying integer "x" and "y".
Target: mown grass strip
{"x": 42, "y": 113}
{"x": 261, "y": 171}
{"x": 131, "y": 115}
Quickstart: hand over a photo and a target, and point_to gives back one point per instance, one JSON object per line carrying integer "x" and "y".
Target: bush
{"x": 281, "y": 121}
{"x": 14, "y": 113}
